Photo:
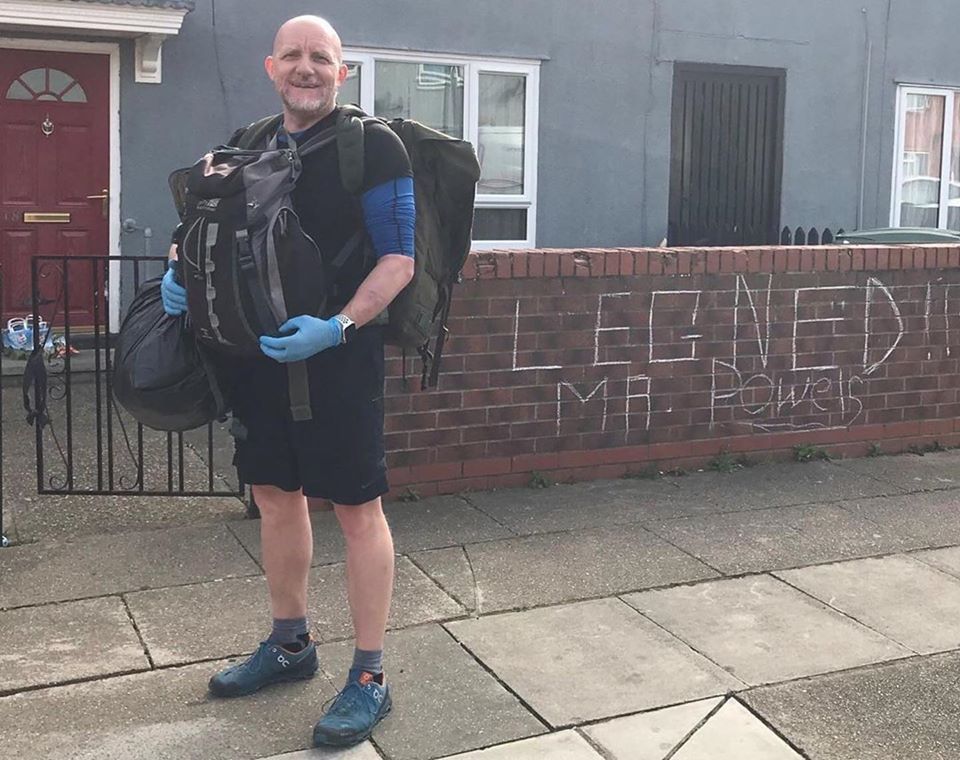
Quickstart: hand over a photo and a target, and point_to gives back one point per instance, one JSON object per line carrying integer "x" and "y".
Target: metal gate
{"x": 726, "y": 155}
{"x": 85, "y": 442}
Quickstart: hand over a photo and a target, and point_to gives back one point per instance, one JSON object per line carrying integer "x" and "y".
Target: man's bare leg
{"x": 286, "y": 551}
{"x": 369, "y": 570}
{"x": 286, "y": 541}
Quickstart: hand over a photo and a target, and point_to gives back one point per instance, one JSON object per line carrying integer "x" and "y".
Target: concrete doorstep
{"x": 619, "y": 620}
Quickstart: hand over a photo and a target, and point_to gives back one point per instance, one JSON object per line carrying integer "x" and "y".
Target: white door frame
{"x": 111, "y": 49}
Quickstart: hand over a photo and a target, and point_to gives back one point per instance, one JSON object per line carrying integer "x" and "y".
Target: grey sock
{"x": 288, "y": 631}
{"x": 366, "y": 660}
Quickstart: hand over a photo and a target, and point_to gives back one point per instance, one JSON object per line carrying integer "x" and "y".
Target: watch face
{"x": 348, "y": 332}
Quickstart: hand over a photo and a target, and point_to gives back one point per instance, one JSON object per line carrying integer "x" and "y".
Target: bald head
{"x": 307, "y": 27}
{"x": 307, "y": 69}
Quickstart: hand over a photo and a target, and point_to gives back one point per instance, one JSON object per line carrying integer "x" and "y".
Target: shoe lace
{"x": 253, "y": 661}
{"x": 347, "y": 701}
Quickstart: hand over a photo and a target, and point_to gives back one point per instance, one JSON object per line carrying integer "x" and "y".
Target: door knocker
{"x": 47, "y": 126}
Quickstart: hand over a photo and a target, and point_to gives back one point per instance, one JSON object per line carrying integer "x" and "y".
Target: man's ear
{"x": 342, "y": 74}
{"x": 268, "y": 65}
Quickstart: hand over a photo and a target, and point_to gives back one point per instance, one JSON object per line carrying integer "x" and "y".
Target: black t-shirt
{"x": 328, "y": 213}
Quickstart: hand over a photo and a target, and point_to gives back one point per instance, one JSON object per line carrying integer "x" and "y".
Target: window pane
{"x": 18, "y": 92}
{"x": 953, "y": 213}
{"x": 74, "y": 95}
{"x": 59, "y": 81}
{"x": 350, "y": 90}
{"x": 500, "y": 224}
{"x": 500, "y": 147}
{"x": 428, "y": 92}
{"x": 35, "y": 79}
{"x": 922, "y": 156}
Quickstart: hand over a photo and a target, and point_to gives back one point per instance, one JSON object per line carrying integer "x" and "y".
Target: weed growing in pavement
{"x": 537, "y": 480}
{"x": 807, "y": 452}
{"x": 727, "y": 462}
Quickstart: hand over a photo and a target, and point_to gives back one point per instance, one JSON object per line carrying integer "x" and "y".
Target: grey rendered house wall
{"x": 605, "y": 92}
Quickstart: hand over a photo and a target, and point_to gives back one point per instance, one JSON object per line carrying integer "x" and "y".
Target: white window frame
{"x": 950, "y": 96}
{"x": 473, "y": 67}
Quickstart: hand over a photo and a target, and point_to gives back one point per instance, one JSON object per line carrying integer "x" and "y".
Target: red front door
{"x": 54, "y": 176}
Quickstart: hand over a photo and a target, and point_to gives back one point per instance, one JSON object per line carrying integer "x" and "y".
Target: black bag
{"x": 161, "y": 374}
{"x": 445, "y": 176}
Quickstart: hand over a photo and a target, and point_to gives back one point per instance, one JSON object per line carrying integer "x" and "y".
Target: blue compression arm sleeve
{"x": 390, "y": 216}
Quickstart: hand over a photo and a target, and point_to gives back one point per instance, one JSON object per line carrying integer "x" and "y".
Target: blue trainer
{"x": 271, "y": 663}
{"x": 354, "y": 713}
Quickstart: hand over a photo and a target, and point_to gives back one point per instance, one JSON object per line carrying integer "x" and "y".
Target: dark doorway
{"x": 726, "y": 155}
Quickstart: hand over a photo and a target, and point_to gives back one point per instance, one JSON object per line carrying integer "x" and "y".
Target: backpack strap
{"x": 257, "y": 133}
{"x": 316, "y": 142}
{"x": 350, "y": 148}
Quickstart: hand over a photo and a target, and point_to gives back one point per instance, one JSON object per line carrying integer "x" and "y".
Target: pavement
{"x": 778, "y": 612}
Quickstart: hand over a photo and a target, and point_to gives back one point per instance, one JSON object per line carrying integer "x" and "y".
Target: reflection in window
{"x": 350, "y": 89}
{"x": 923, "y": 136}
{"x": 430, "y": 93}
{"x": 500, "y": 224}
{"x": 500, "y": 144}
{"x": 46, "y": 84}
{"x": 953, "y": 204}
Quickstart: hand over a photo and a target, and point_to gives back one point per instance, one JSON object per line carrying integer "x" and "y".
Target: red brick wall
{"x": 600, "y": 363}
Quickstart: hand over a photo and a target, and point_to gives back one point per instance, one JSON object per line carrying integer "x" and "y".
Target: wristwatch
{"x": 349, "y": 328}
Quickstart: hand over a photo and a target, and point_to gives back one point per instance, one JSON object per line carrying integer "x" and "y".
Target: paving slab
{"x": 780, "y": 538}
{"x": 436, "y": 522}
{"x": 110, "y": 564}
{"x": 650, "y": 735}
{"x": 444, "y": 702}
{"x": 65, "y": 642}
{"x": 947, "y": 560}
{"x": 763, "y": 631}
{"x": 934, "y": 471}
{"x": 363, "y": 751}
{"x": 904, "y": 710}
{"x": 233, "y": 615}
{"x": 450, "y": 568}
{"x": 619, "y": 661}
{"x": 525, "y": 572}
{"x": 577, "y": 506}
{"x": 778, "y": 484}
{"x": 226, "y": 618}
{"x": 904, "y": 599}
{"x": 160, "y": 715}
{"x": 923, "y": 520}
{"x": 562, "y": 745}
{"x": 734, "y": 733}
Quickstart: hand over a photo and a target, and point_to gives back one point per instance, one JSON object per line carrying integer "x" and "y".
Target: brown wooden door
{"x": 726, "y": 155}
{"x": 54, "y": 155}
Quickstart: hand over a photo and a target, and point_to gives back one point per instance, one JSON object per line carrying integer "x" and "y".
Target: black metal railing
{"x": 85, "y": 442}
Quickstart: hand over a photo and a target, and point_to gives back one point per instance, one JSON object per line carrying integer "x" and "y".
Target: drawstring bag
{"x": 161, "y": 374}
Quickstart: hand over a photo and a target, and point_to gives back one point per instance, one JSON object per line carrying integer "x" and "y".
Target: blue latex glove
{"x": 173, "y": 294}
{"x": 311, "y": 335}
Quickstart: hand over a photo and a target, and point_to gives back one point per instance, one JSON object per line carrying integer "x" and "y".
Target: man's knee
{"x": 360, "y": 520}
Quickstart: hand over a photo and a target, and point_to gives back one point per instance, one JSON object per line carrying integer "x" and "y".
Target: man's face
{"x": 306, "y": 69}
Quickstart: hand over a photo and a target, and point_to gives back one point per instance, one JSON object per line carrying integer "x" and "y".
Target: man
{"x": 339, "y": 454}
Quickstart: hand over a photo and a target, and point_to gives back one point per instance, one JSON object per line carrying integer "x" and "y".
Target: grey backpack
{"x": 242, "y": 237}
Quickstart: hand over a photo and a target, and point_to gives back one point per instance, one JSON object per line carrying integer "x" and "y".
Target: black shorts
{"x": 337, "y": 455}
